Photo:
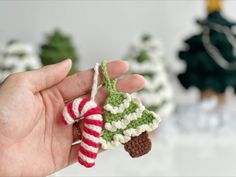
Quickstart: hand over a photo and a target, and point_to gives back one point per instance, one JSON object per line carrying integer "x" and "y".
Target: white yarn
{"x": 152, "y": 66}
{"x": 75, "y": 106}
{"x": 95, "y": 117}
{"x": 164, "y": 95}
{"x": 67, "y": 117}
{"x": 121, "y": 107}
{"x": 90, "y": 137}
{"x": 122, "y": 124}
{"x": 89, "y": 148}
{"x": 121, "y": 139}
{"x": 93, "y": 127}
{"x": 86, "y": 159}
{"x": 89, "y": 105}
{"x": 95, "y": 82}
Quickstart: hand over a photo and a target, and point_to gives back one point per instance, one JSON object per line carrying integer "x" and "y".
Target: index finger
{"x": 80, "y": 83}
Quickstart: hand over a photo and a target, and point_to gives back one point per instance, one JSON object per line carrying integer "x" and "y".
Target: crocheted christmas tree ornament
{"x": 124, "y": 119}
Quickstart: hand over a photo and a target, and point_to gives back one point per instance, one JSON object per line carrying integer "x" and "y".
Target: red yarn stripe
{"x": 87, "y": 153}
{"x": 90, "y": 142}
{"x": 63, "y": 120}
{"x": 86, "y": 164}
{"x": 91, "y": 132}
{"x": 82, "y": 103}
{"x": 70, "y": 110}
{"x": 93, "y": 122}
{"x": 92, "y": 111}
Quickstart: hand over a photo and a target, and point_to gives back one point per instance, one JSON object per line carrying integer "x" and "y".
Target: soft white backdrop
{"x": 103, "y": 29}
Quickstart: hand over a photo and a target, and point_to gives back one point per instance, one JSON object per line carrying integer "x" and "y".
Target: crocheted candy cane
{"x": 91, "y": 113}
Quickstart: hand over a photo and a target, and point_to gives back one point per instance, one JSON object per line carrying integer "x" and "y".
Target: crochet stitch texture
{"x": 124, "y": 118}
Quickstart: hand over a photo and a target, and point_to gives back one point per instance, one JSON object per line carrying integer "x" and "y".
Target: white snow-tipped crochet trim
{"x": 122, "y": 124}
{"x": 154, "y": 66}
{"x": 121, "y": 107}
{"x": 164, "y": 95}
{"x": 121, "y": 139}
{"x": 152, "y": 84}
{"x": 166, "y": 110}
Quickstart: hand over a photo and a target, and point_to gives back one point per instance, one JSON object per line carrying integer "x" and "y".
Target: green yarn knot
{"x": 109, "y": 84}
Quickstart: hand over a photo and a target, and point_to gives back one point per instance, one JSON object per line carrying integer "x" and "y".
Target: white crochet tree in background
{"x": 145, "y": 56}
{"x": 17, "y": 57}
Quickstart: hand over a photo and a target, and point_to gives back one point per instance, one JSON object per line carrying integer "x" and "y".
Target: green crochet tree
{"x": 146, "y": 58}
{"x": 126, "y": 121}
{"x": 17, "y": 56}
{"x": 210, "y": 56}
{"x": 57, "y": 48}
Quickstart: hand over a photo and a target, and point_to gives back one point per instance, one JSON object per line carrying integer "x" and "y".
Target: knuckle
{"x": 82, "y": 83}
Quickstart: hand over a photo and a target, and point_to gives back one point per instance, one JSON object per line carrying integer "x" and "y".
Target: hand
{"x": 33, "y": 140}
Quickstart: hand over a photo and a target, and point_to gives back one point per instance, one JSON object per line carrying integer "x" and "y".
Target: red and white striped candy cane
{"x": 91, "y": 113}
{"x": 93, "y": 122}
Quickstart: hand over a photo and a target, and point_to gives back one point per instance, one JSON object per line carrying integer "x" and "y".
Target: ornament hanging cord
{"x": 95, "y": 86}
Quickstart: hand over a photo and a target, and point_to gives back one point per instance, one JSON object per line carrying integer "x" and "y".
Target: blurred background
{"x": 185, "y": 49}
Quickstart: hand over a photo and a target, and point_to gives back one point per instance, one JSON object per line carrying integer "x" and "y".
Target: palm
{"x": 42, "y": 140}
{"x": 31, "y": 133}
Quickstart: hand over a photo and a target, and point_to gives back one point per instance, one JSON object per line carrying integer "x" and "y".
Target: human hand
{"x": 33, "y": 140}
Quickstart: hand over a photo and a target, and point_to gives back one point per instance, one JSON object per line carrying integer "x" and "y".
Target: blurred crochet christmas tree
{"x": 17, "y": 57}
{"x": 57, "y": 48}
{"x": 210, "y": 56}
{"x": 146, "y": 58}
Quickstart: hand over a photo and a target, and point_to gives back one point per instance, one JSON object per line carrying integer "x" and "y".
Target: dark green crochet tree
{"x": 57, "y": 48}
{"x": 210, "y": 56}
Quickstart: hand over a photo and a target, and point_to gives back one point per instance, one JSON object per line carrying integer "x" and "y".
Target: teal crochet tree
{"x": 210, "y": 56}
{"x": 126, "y": 121}
{"x": 57, "y": 48}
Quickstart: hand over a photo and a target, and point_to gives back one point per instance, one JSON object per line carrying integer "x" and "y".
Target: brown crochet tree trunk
{"x": 138, "y": 145}
{"x": 210, "y": 92}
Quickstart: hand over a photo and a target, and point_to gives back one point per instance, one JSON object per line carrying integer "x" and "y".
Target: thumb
{"x": 48, "y": 76}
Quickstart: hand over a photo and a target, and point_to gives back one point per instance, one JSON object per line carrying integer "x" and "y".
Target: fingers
{"x": 73, "y": 154}
{"x": 128, "y": 84}
{"x": 48, "y": 76}
{"x": 81, "y": 82}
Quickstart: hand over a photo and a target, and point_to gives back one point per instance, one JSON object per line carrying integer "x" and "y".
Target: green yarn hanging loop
{"x": 124, "y": 118}
{"x": 109, "y": 84}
